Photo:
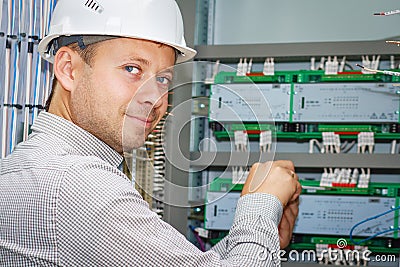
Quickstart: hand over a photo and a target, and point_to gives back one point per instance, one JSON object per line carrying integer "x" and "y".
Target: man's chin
{"x": 129, "y": 145}
{"x": 134, "y": 139}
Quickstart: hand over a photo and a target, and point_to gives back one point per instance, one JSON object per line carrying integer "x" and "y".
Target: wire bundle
{"x": 25, "y": 77}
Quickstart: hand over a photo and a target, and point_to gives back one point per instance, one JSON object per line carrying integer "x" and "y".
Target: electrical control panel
{"x": 308, "y": 102}
{"x": 303, "y": 104}
{"x": 310, "y": 112}
{"x": 335, "y": 215}
{"x": 319, "y": 214}
{"x": 346, "y": 102}
{"x": 325, "y": 214}
{"x": 221, "y": 209}
{"x": 248, "y": 102}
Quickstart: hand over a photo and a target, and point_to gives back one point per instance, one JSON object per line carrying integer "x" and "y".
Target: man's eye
{"x": 132, "y": 69}
{"x": 163, "y": 80}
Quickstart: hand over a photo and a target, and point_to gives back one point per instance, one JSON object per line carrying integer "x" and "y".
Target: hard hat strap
{"x": 67, "y": 40}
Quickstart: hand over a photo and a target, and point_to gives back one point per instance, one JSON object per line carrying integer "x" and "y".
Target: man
{"x": 63, "y": 201}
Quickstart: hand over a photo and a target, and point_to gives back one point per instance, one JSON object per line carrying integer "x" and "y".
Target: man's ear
{"x": 66, "y": 61}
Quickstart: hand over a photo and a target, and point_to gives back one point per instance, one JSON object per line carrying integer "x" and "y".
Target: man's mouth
{"x": 145, "y": 121}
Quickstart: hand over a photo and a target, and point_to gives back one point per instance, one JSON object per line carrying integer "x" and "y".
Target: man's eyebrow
{"x": 147, "y": 63}
{"x": 140, "y": 59}
{"x": 167, "y": 71}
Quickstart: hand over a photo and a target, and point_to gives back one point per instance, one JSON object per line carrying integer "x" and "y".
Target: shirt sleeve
{"x": 255, "y": 224}
{"x": 103, "y": 221}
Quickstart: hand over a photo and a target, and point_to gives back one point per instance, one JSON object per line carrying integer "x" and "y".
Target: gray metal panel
{"x": 286, "y": 21}
{"x": 295, "y": 51}
{"x": 177, "y": 138}
{"x": 379, "y": 161}
{"x": 346, "y": 102}
{"x": 188, "y": 10}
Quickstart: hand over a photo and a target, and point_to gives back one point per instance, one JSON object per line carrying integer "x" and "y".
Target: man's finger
{"x": 297, "y": 192}
{"x": 286, "y": 164}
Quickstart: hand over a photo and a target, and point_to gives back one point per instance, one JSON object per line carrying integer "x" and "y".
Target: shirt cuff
{"x": 266, "y": 205}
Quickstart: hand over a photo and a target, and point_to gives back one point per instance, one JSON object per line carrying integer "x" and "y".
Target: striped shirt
{"x": 64, "y": 202}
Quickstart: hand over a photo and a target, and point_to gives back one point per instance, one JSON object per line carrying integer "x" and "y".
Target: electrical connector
{"x": 249, "y": 66}
{"x": 363, "y": 181}
{"x": 342, "y": 64}
{"x": 321, "y": 65}
{"x": 214, "y": 73}
{"x": 331, "y": 142}
{"x": 325, "y": 179}
{"x": 354, "y": 176}
{"x": 331, "y": 66}
{"x": 239, "y": 70}
{"x": 365, "y": 140}
{"x": 202, "y": 232}
{"x": 239, "y": 174}
{"x": 312, "y": 63}
{"x": 241, "y": 140}
{"x": 265, "y": 141}
{"x": 392, "y": 61}
{"x": 375, "y": 62}
{"x": 269, "y": 66}
{"x": 244, "y": 67}
{"x": 367, "y": 65}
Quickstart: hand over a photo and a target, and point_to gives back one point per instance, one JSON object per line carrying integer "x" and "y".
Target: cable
{"x": 348, "y": 147}
{"x": 17, "y": 71}
{"x": 3, "y": 34}
{"x": 387, "y": 72}
{"x": 7, "y": 82}
{"x": 370, "y": 219}
{"x": 311, "y": 146}
{"x": 12, "y": 58}
{"x": 349, "y": 66}
{"x": 393, "y": 147}
{"x": 387, "y": 13}
{"x": 393, "y": 42}
{"x": 201, "y": 243}
{"x": 28, "y": 85}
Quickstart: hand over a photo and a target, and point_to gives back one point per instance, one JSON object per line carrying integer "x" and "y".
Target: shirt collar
{"x": 82, "y": 141}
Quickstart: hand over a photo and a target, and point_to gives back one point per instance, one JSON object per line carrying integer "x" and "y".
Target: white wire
{"x": 29, "y": 73}
{"x": 387, "y": 72}
{"x": 319, "y": 145}
{"x": 6, "y": 87}
{"x": 15, "y": 98}
{"x": 387, "y": 13}
{"x": 393, "y": 147}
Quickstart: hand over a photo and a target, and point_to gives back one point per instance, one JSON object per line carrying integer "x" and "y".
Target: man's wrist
{"x": 266, "y": 205}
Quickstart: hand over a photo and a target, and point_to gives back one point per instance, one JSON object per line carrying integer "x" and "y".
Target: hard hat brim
{"x": 184, "y": 53}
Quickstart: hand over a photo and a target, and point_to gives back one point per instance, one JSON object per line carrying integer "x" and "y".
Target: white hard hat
{"x": 154, "y": 20}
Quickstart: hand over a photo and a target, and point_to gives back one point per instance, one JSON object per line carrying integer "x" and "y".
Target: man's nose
{"x": 150, "y": 93}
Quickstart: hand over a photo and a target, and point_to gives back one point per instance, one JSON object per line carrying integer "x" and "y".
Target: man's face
{"x": 124, "y": 94}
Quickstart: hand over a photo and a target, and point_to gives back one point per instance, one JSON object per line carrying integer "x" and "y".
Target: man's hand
{"x": 286, "y": 225}
{"x": 276, "y": 178}
{"x": 279, "y": 179}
